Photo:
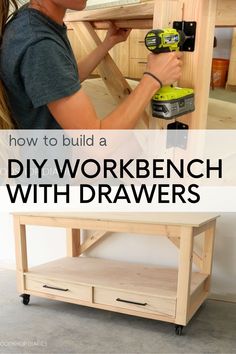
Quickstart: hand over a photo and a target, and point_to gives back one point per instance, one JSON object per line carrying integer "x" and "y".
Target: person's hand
{"x": 116, "y": 35}
{"x": 166, "y": 66}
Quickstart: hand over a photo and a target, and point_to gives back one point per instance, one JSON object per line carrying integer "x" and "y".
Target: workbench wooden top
{"x": 225, "y": 13}
{"x": 183, "y": 219}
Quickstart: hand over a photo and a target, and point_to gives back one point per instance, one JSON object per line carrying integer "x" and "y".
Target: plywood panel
{"x": 135, "y": 278}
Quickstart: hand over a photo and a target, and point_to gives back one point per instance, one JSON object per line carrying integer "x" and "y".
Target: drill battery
{"x": 172, "y": 102}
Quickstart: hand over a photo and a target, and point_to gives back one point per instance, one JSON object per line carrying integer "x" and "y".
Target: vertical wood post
{"x": 21, "y": 253}
{"x": 165, "y": 13}
{"x": 231, "y": 83}
{"x": 73, "y": 242}
{"x": 184, "y": 275}
{"x": 197, "y": 65}
{"x": 208, "y": 248}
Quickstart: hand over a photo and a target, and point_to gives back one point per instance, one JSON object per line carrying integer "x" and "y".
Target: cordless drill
{"x": 169, "y": 102}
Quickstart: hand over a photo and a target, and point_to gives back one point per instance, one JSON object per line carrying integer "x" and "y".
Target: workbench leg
{"x": 73, "y": 242}
{"x": 21, "y": 253}
{"x": 197, "y": 65}
{"x": 208, "y": 248}
{"x": 231, "y": 83}
{"x": 108, "y": 70}
{"x": 184, "y": 275}
{"x": 165, "y": 13}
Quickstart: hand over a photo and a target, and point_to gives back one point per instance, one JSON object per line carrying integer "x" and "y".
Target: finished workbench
{"x": 166, "y": 294}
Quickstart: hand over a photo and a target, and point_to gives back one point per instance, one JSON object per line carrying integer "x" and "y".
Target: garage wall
{"x": 224, "y": 42}
{"x": 46, "y": 244}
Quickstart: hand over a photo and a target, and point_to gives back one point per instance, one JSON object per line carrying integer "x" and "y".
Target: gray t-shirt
{"x": 37, "y": 66}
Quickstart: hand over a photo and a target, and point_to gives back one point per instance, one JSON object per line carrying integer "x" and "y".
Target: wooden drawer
{"x": 136, "y": 302}
{"x": 120, "y": 54}
{"x": 59, "y": 288}
{"x": 137, "y": 46}
{"x": 137, "y": 68}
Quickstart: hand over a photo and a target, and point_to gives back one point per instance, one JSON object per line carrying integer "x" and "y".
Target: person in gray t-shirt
{"x": 37, "y": 67}
{"x": 42, "y": 79}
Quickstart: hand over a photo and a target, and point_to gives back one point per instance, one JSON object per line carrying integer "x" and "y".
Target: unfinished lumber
{"x": 226, "y": 13}
{"x": 127, "y": 12}
{"x": 93, "y": 239}
{"x": 231, "y": 83}
{"x": 165, "y": 12}
{"x": 73, "y": 242}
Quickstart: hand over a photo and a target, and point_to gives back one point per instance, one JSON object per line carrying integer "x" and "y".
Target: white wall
{"x": 45, "y": 244}
{"x": 97, "y": 3}
{"x": 224, "y": 42}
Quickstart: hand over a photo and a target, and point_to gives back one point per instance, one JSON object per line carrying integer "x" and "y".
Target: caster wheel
{"x": 179, "y": 330}
{"x": 25, "y": 299}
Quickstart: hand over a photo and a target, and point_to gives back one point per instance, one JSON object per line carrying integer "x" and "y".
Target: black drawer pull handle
{"x": 142, "y": 62}
{"x": 132, "y": 302}
{"x": 51, "y": 287}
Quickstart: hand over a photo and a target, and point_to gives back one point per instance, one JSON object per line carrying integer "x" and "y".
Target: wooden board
{"x": 73, "y": 242}
{"x": 133, "y": 24}
{"x": 130, "y": 12}
{"x": 226, "y": 13}
{"x": 232, "y": 67}
{"x": 165, "y": 12}
{"x": 197, "y": 65}
{"x": 137, "y": 278}
{"x": 170, "y": 219}
{"x": 185, "y": 276}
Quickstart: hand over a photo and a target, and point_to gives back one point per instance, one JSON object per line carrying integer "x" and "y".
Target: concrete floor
{"x": 52, "y": 327}
{"x": 223, "y": 95}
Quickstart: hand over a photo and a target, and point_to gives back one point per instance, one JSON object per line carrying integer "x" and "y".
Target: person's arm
{"x": 114, "y": 36}
{"x": 77, "y": 111}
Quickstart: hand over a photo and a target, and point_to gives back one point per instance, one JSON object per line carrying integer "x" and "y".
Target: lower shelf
{"x": 142, "y": 290}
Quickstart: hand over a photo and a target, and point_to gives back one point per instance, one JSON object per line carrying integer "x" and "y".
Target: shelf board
{"x": 137, "y": 278}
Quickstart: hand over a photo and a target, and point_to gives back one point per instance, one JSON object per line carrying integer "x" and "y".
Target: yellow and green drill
{"x": 169, "y": 102}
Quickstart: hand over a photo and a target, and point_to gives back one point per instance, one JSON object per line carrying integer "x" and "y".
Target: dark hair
{"x": 6, "y": 8}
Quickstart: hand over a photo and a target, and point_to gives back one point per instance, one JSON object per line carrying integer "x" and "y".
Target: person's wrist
{"x": 154, "y": 77}
{"x": 108, "y": 44}
{"x": 151, "y": 83}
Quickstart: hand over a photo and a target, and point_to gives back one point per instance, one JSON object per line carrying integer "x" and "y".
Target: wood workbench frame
{"x": 180, "y": 307}
{"x": 161, "y": 14}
